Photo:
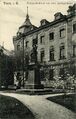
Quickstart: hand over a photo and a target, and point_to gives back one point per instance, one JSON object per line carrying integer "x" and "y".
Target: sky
{"x": 13, "y": 14}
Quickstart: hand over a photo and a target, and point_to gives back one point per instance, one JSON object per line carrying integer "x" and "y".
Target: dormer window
{"x": 72, "y": 9}
{"x": 19, "y": 33}
{"x": 58, "y": 15}
{"x": 44, "y": 22}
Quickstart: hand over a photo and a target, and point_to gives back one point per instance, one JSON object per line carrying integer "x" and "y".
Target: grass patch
{"x": 68, "y": 101}
{"x": 11, "y": 108}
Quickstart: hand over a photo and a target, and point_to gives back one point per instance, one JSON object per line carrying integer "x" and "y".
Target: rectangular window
{"x": 74, "y": 50}
{"x": 42, "y": 39}
{"x": 27, "y": 43}
{"x": 35, "y": 41}
{"x": 51, "y": 74}
{"x": 52, "y": 54}
{"x": 32, "y": 57}
{"x": 74, "y": 28}
{"x": 18, "y": 47}
{"x": 61, "y": 73}
{"x": 42, "y": 56}
{"x": 62, "y": 52}
{"x": 62, "y": 33}
{"x": 51, "y": 36}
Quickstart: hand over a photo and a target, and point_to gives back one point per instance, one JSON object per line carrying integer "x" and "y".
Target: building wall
{"x": 67, "y": 40}
{"x": 56, "y": 42}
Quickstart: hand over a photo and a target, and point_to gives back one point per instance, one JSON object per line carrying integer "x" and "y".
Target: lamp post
{"x": 0, "y": 68}
{"x": 1, "y": 53}
{"x": 23, "y": 62}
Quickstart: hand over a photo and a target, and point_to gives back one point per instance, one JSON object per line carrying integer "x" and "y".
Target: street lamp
{"x": 1, "y": 53}
{"x": 23, "y": 60}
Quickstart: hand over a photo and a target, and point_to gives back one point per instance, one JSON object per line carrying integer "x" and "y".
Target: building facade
{"x": 56, "y": 46}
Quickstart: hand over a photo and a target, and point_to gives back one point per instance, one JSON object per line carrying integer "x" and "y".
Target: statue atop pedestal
{"x": 33, "y": 81}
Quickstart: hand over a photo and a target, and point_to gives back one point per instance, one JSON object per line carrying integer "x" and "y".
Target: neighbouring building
{"x": 56, "y": 46}
{"x": 6, "y": 67}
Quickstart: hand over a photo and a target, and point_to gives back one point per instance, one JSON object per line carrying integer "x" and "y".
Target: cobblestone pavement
{"x": 43, "y": 108}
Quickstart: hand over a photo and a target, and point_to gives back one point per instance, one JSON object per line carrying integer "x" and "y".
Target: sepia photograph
{"x": 37, "y": 59}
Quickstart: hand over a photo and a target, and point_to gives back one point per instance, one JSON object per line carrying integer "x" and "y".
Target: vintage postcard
{"x": 37, "y": 59}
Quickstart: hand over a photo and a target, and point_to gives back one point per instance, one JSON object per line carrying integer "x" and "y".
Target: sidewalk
{"x": 42, "y": 108}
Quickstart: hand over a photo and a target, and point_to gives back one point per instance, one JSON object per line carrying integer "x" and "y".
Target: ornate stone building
{"x": 56, "y": 45}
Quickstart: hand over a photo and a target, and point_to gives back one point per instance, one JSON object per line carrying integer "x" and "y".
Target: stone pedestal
{"x": 33, "y": 79}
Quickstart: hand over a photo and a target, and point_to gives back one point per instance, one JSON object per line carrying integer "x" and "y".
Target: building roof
{"x": 27, "y": 25}
{"x": 47, "y": 24}
{"x": 27, "y": 22}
